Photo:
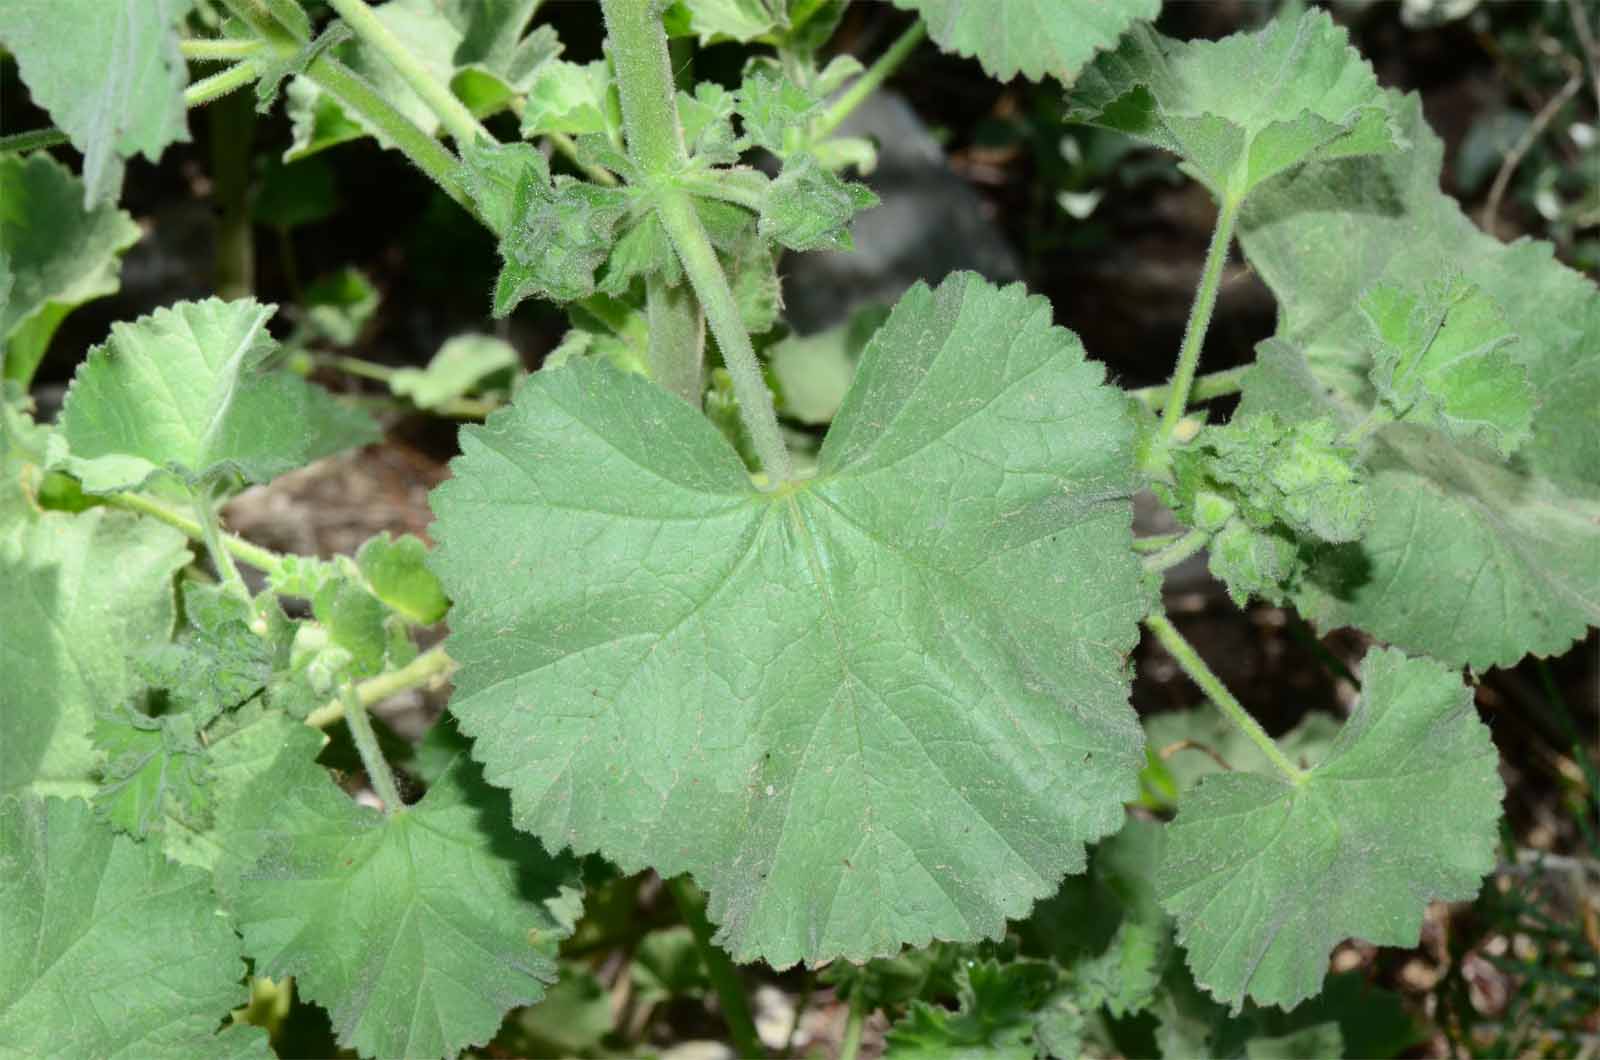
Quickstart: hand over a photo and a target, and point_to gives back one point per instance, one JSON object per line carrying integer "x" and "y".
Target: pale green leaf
{"x": 59, "y": 255}
{"x": 110, "y": 951}
{"x": 1256, "y": 562}
{"x": 912, "y": 699}
{"x": 1441, "y": 361}
{"x": 188, "y": 391}
{"x": 109, "y": 73}
{"x": 1470, "y": 558}
{"x": 418, "y": 930}
{"x": 573, "y": 98}
{"x": 491, "y": 174}
{"x": 809, "y": 208}
{"x": 715, "y": 21}
{"x": 813, "y": 372}
{"x": 774, "y": 109}
{"x": 1265, "y": 875}
{"x": 707, "y": 118}
{"x": 337, "y": 306}
{"x": 79, "y": 591}
{"x": 1036, "y": 38}
{"x": 460, "y": 366}
{"x": 559, "y": 235}
{"x": 1245, "y": 108}
{"x": 395, "y": 569}
{"x": 1299, "y": 474}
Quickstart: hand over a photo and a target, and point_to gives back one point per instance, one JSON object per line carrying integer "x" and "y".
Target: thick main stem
{"x": 366, "y": 741}
{"x": 1192, "y": 664}
{"x": 1205, "y": 300}
{"x": 454, "y": 115}
{"x": 719, "y": 969}
{"x": 655, "y": 143}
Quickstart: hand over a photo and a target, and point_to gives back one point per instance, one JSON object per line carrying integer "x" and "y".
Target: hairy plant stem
{"x": 220, "y": 84}
{"x": 366, "y": 741}
{"x": 32, "y": 140}
{"x": 1205, "y": 300}
{"x": 655, "y": 143}
{"x": 677, "y": 338}
{"x": 205, "y": 506}
{"x": 357, "y": 95}
{"x": 1192, "y": 664}
{"x": 234, "y": 546}
{"x": 1178, "y": 551}
{"x": 1205, "y": 387}
{"x": 432, "y": 665}
{"x": 850, "y": 1044}
{"x": 870, "y": 81}
{"x": 219, "y": 49}
{"x": 233, "y": 123}
{"x": 719, "y": 969}
{"x": 453, "y": 113}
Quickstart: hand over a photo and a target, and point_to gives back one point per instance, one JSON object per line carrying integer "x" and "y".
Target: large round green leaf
{"x": 876, "y": 707}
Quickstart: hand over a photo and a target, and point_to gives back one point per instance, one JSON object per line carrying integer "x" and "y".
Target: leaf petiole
{"x": 870, "y": 81}
{"x": 1192, "y": 664}
{"x": 1178, "y": 551}
{"x": 1205, "y": 300}
{"x": 366, "y": 741}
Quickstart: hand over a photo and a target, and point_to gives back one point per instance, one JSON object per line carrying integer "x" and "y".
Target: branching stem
{"x": 1178, "y": 551}
{"x": 366, "y": 741}
{"x": 265, "y": 560}
{"x": 1192, "y": 664}
{"x": 1205, "y": 387}
{"x": 1205, "y": 300}
{"x": 432, "y": 665}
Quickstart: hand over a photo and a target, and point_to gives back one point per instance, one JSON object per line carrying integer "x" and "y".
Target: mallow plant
{"x": 869, "y": 687}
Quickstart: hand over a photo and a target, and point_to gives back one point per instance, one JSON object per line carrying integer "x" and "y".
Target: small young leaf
{"x": 1035, "y": 38}
{"x": 110, "y": 951}
{"x": 214, "y": 664}
{"x": 1013, "y": 1011}
{"x": 79, "y": 590}
{"x": 1245, "y": 108}
{"x": 395, "y": 569}
{"x": 418, "y": 930}
{"x": 59, "y": 254}
{"x": 1441, "y": 361}
{"x": 668, "y": 665}
{"x": 186, "y": 391}
{"x": 573, "y": 98}
{"x": 109, "y": 74}
{"x": 772, "y": 107}
{"x": 1266, "y": 876}
{"x": 355, "y": 623}
{"x": 558, "y": 236}
{"x": 809, "y": 208}
{"x": 461, "y": 364}
{"x": 338, "y": 306}
{"x": 1297, "y": 474}
{"x": 1255, "y": 562}
{"x": 1470, "y": 558}
{"x": 707, "y": 118}
{"x": 154, "y": 769}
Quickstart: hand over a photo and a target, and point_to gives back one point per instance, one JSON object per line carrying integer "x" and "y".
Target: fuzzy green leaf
{"x": 216, "y": 663}
{"x": 1036, "y": 38}
{"x": 1297, "y": 474}
{"x": 1265, "y": 876}
{"x": 79, "y": 590}
{"x": 461, "y": 364}
{"x": 910, "y": 699}
{"x": 1441, "y": 361}
{"x": 809, "y": 208}
{"x": 338, "y": 305}
{"x": 110, "y": 951}
{"x": 1470, "y": 557}
{"x": 59, "y": 255}
{"x": 573, "y": 98}
{"x": 558, "y": 236}
{"x": 109, "y": 74}
{"x": 417, "y": 931}
{"x": 773, "y": 109}
{"x": 188, "y": 391}
{"x": 154, "y": 769}
{"x": 715, "y": 21}
{"x": 397, "y": 573}
{"x": 1245, "y": 108}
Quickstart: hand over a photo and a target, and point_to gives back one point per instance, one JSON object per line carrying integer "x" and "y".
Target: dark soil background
{"x": 1122, "y": 278}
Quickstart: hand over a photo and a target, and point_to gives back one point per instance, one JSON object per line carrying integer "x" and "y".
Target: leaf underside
{"x": 881, "y": 706}
{"x": 1471, "y": 557}
{"x": 1034, "y": 38}
{"x": 1266, "y": 876}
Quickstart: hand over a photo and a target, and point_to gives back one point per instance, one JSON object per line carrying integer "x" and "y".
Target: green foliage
{"x": 338, "y": 305}
{"x": 190, "y": 392}
{"x": 1006, "y": 1010}
{"x": 416, "y": 930}
{"x": 1470, "y": 557}
{"x": 59, "y": 254}
{"x": 460, "y": 366}
{"x": 657, "y": 553}
{"x": 154, "y": 768}
{"x": 1036, "y": 38}
{"x": 1246, "y": 108}
{"x": 395, "y": 570}
{"x": 110, "y": 76}
{"x": 558, "y": 234}
{"x": 1266, "y": 874}
{"x": 809, "y": 208}
{"x": 110, "y": 950}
